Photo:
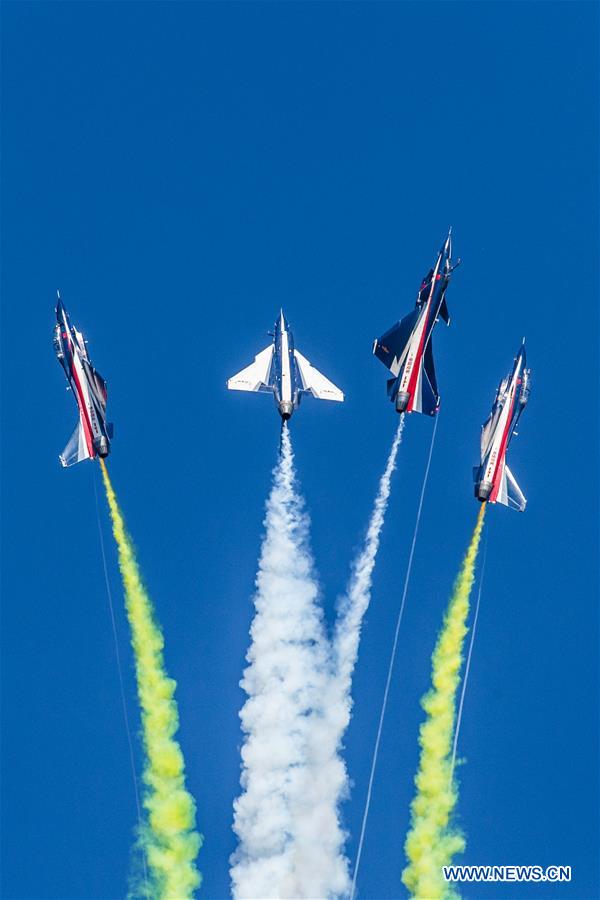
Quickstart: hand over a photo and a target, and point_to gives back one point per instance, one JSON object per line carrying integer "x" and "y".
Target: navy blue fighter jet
{"x": 406, "y": 348}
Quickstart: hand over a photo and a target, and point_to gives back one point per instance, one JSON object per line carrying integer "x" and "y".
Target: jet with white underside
{"x": 405, "y": 349}
{"x": 281, "y": 370}
{"x": 494, "y": 482}
{"x": 93, "y": 434}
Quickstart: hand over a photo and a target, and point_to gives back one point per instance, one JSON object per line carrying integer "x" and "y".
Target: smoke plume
{"x": 354, "y": 605}
{"x": 323, "y": 795}
{"x": 169, "y": 840}
{"x": 432, "y": 841}
{"x": 288, "y": 846}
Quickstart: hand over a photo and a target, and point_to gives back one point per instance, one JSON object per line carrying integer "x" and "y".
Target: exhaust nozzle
{"x": 101, "y": 447}
{"x": 483, "y": 489}
{"x": 402, "y": 398}
{"x": 286, "y": 408}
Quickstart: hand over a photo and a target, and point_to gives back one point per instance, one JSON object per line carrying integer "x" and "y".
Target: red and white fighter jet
{"x": 93, "y": 434}
{"x": 494, "y": 482}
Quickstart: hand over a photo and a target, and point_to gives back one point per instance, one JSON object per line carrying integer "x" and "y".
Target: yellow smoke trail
{"x": 170, "y": 841}
{"x": 432, "y": 841}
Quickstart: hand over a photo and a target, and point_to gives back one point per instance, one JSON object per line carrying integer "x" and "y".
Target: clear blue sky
{"x": 182, "y": 170}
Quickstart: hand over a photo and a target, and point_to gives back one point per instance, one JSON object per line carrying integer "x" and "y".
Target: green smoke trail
{"x": 170, "y": 841}
{"x": 432, "y": 841}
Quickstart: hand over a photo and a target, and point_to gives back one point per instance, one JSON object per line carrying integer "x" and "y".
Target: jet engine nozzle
{"x": 483, "y": 489}
{"x": 101, "y": 446}
{"x": 286, "y": 409}
{"x": 402, "y": 398}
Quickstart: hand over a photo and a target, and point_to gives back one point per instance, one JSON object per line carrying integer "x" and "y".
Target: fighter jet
{"x": 406, "y": 348}
{"x": 494, "y": 481}
{"x": 92, "y": 433}
{"x": 280, "y": 369}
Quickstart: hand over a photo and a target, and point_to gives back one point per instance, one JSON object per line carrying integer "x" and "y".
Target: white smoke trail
{"x": 388, "y": 681}
{"x": 282, "y": 852}
{"x": 298, "y": 707}
{"x": 354, "y": 604}
{"x": 321, "y": 795}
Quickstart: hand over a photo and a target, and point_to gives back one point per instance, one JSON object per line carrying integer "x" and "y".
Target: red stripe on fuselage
{"x": 412, "y": 382}
{"x": 502, "y": 451}
{"x": 87, "y": 427}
